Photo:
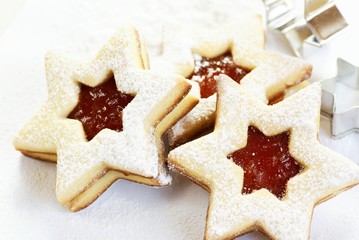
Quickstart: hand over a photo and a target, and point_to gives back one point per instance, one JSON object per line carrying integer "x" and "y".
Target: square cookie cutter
{"x": 320, "y": 22}
{"x": 340, "y": 99}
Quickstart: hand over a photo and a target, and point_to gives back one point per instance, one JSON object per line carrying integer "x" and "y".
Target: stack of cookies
{"x": 236, "y": 119}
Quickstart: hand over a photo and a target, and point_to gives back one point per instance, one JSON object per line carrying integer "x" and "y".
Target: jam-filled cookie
{"x": 104, "y": 120}
{"x": 263, "y": 165}
{"x": 236, "y": 50}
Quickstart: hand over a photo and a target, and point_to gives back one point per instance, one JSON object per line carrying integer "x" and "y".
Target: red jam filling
{"x": 206, "y": 71}
{"x": 277, "y": 98}
{"x": 100, "y": 107}
{"x": 266, "y": 162}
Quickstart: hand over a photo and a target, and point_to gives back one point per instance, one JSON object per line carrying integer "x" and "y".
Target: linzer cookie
{"x": 236, "y": 50}
{"x": 263, "y": 165}
{"x": 104, "y": 120}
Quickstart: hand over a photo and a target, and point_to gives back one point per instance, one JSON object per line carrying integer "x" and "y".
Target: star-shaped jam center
{"x": 207, "y": 70}
{"x": 266, "y": 162}
{"x": 100, "y": 107}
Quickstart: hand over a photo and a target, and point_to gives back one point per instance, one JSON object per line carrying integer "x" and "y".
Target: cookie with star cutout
{"x": 263, "y": 165}
{"x": 234, "y": 49}
{"x": 104, "y": 120}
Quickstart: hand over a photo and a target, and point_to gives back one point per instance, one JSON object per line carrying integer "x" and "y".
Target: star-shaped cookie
{"x": 209, "y": 162}
{"x": 269, "y": 74}
{"x": 105, "y": 119}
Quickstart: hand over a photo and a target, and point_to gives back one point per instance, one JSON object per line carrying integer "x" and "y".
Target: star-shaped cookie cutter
{"x": 344, "y": 119}
{"x": 320, "y": 22}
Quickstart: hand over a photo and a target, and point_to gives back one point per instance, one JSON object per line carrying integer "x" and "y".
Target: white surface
{"x": 28, "y": 206}
{"x": 8, "y": 10}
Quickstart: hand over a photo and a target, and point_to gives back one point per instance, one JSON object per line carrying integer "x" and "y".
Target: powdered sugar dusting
{"x": 230, "y": 213}
{"x": 136, "y": 211}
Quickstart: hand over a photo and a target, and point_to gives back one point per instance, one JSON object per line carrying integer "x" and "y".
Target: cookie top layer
{"x": 232, "y": 213}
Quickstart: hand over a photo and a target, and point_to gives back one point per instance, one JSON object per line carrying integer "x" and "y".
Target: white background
{"x": 28, "y": 206}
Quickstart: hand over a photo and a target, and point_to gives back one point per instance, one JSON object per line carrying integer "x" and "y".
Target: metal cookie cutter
{"x": 320, "y": 22}
{"x": 279, "y": 12}
{"x": 340, "y": 99}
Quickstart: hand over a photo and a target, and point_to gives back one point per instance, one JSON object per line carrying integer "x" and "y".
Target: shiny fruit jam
{"x": 207, "y": 70}
{"x": 266, "y": 162}
{"x": 100, "y": 107}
